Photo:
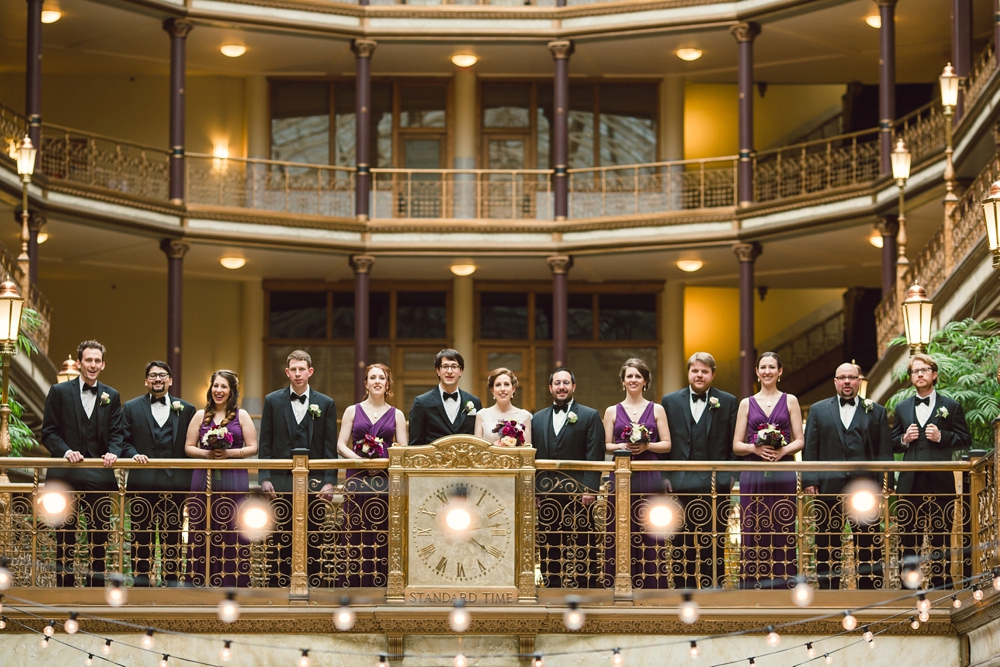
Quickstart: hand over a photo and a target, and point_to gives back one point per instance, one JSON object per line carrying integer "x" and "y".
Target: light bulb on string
{"x": 227, "y": 652}
{"x": 303, "y": 660}
{"x": 164, "y": 661}
{"x": 924, "y": 616}
{"x": 458, "y": 618}
{"x": 383, "y": 661}
{"x": 828, "y": 658}
{"x": 695, "y": 651}
{"x": 537, "y": 661}
{"x": 867, "y": 634}
{"x": 977, "y": 594}
{"x": 616, "y": 658}
{"x": 71, "y": 626}
{"x": 115, "y": 594}
{"x": 752, "y": 662}
{"x": 3, "y": 622}
{"x": 50, "y": 629}
{"x": 106, "y": 649}
{"x": 90, "y": 660}
{"x": 871, "y": 643}
{"x": 229, "y": 609}
{"x": 802, "y": 594}
{"x": 688, "y": 610}
{"x": 914, "y": 623}
{"x": 573, "y": 617}
{"x": 773, "y": 638}
{"x": 923, "y": 604}
{"x": 5, "y": 576}
{"x": 147, "y": 639}
{"x": 849, "y": 621}
{"x": 810, "y": 651}
{"x": 344, "y": 617}
{"x": 45, "y": 642}
{"x": 996, "y": 579}
{"x": 912, "y": 575}
{"x": 955, "y": 602}
{"x": 461, "y": 661}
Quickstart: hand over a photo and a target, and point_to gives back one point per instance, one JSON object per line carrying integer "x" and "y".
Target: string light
{"x": 106, "y": 649}
{"x": 802, "y": 594}
{"x": 383, "y": 661}
{"x": 147, "y": 639}
{"x": 227, "y": 652}
{"x": 773, "y": 638}
{"x": 849, "y": 621}
{"x": 810, "y": 651}
{"x": 71, "y": 626}
{"x": 955, "y": 602}
{"x": 5, "y": 576}
{"x": 3, "y": 622}
{"x": 924, "y": 616}
{"x": 458, "y": 618}
{"x": 115, "y": 594}
{"x": 304, "y": 658}
{"x": 923, "y": 604}
{"x": 229, "y": 609}
{"x": 50, "y": 629}
{"x": 616, "y": 658}
{"x": 914, "y": 623}
{"x": 90, "y": 660}
{"x": 688, "y": 610}
{"x": 752, "y": 662}
{"x": 828, "y": 658}
{"x": 977, "y": 594}
{"x": 45, "y": 642}
{"x": 460, "y": 661}
{"x": 537, "y": 661}
{"x": 164, "y": 662}
{"x": 695, "y": 651}
{"x": 996, "y": 579}
{"x": 912, "y": 576}
{"x": 344, "y": 618}
{"x": 573, "y": 617}
{"x": 867, "y": 634}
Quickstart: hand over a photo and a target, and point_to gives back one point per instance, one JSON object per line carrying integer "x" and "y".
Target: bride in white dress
{"x": 502, "y": 383}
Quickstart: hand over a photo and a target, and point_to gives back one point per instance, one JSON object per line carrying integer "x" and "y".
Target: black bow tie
{"x": 92, "y": 388}
{"x": 926, "y": 400}
{"x": 153, "y": 400}
{"x": 453, "y": 396}
{"x": 846, "y": 401}
{"x": 699, "y": 397}
{"x": 559, "y": 408}
{"x": 300, "y": 399}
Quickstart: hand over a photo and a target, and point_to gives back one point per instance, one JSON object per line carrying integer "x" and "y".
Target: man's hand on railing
{"x": 109, "y": 459}
{"x": 140, "y": 458}
{"x": 811, "y": 490}
{"x": 267, "y": 487}
{"x": 588, "y": 499}
{"x": 326, "y": 493}
{"x": 73, "y": 456}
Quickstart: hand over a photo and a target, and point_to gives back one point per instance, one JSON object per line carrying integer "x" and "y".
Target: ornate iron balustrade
{"x": 601, "y": 540}
{"x": 813, "y": 343}
{"x": 981, "y": 74}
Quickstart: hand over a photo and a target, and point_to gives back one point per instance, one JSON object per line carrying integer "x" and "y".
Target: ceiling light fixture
{"x": 874, "y": 21}
{"x": 688, "y": 54}
{"x": 690, "y": 265}
{"x": 233, "y": 262}
{"x": 233, "y": 50}
{"x": 875, "y": 238}
{"x": 464, "y": 60}
{"x": 463, "y": 268}
{"x": 51, "y": 15}
{"x": 42, "y": 237}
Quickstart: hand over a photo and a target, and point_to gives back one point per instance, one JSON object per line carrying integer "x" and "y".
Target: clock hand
{"x": 492, "y": 525}
{"x": 473, "y": 540}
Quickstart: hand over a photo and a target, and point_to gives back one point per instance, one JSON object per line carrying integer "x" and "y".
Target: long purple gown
{"x": 365, "y": 558}
{"x": 767, "y": 510}
{"x": 228, "y": 554}
{"x": 648, "y": 567}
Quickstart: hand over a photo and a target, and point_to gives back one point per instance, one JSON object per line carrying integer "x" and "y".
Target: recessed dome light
{"x": 874, "y": 20}
{"x": 233, "y": 50}
{"x": 464, "y": 60}
{"x": 463, "y": 269}
{"x": 688, "y": 54}
{"x": 690, "y": 265}
{"x": 51, "y": 15}
{"x": 233, "y": 262}
{"x": 876, "y": 239}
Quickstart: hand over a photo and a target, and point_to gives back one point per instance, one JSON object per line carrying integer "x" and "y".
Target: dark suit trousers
{"x": 830, "y": 518}
{"x": 925, "y": 511}
{"x": 701, "y": 545}
{"x": 567, "y": 541}
{"x": 157, "y": 517}
{"x": 86, "y": 528}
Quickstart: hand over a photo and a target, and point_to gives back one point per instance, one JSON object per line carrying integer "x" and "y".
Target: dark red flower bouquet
{"x": 371, "y": 447}
{"x": 769, "y": 435}
{"x": 511, "y": 433}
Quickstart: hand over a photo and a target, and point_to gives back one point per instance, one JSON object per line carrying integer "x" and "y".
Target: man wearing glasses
{"x": 927, "y": 427}
{"x": 445, "y": 409}
{"x": 844, "y": 428}
{"x": 154, "y": 426}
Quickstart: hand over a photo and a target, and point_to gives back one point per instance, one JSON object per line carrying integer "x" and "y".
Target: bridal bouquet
{"x": 511, "y": 433}
{"x": 635, "y": 434}
{"x": 217, "y": 438}
{"x": 371, "y": 447}
{"x": 769, "y": 435}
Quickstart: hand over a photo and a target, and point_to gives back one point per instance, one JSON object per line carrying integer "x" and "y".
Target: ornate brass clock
{"x": 491, "y": 560}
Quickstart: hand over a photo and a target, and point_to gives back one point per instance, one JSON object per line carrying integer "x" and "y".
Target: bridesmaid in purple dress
{"x": 365, "y": 529}
{"x": 226, "y": 561}
{"x": 767, "y": 499}
{"x": 646, "y": 561}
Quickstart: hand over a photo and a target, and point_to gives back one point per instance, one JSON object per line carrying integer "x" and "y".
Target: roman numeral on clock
{"x": 442, "y": 565}
{"x": 500, "y": 532}
{"x": 480, "y": 501}
{"x": 460, "y": 571}
{"x": 481, "y": 566}
{"x": 442, "y": 496}
{"x": 493, "y": 551}
{"x": 495, "y": 512}
{"x": 424, "y": 510}
{"x": 423, "y": 532}
{"x": 427, "y": 550}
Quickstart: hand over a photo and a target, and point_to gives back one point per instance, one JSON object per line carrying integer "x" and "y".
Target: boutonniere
{"x": 105, "y": 399}
{"x": 942, "y": 412}
{"x": 470, "y": 408}
{"x": 713, "y": 403}
{"x": 315, "y": 411}
{"x": 571, "y": 417}
{"x": 177, "y": 406}
{"x": 869, "y": 404}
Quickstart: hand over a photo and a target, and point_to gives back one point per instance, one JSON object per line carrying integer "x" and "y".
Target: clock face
{"x": 480, "y": 555}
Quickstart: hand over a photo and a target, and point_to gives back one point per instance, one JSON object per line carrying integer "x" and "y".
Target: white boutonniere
{"x": 571, "y": 417}
{"x": 177, "y": 406}
{"x": 869, "y": 404}
{"x": 713, "y": 403}
{"x": 470, "y": 408}
{"x": 315, "y": 411}
{"x": 942, "y": 412}
{"x": 105, "y": 399}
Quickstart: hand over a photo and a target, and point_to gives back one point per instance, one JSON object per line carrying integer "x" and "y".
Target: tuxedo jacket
{"x": 954, "y": 436}
{"x": 64, "y": 428}
{"x": 719, "y": 444}
{"x": 429, "y": 420}
{"x": 139, "y": 437}
{"x": 580, "y": 441}
{"x": 825, "y": 441}
{"x": 277, "y": 434}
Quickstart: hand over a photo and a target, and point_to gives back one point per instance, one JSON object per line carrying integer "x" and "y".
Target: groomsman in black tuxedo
{"x": 844, "y": 428}
{"x": 567, "y": 431}
{"x": 154, "y": 426}
{"x": 928, "y": 427}
{"x": 445, "y": 409}
{"x": 296, "y": 417}
{"x": 702, "y": 422}
{"x": 83, "y": 419}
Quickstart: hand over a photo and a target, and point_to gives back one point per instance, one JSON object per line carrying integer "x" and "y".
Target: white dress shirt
{"x": 924, "y": 412}
{"x": 451, "y": 408}
{"x": 847, "y": 412}
{"x": 299, "y": 408}
{"x": 88, "y": 399}
{"x": 697, "y": 407}
{"x": 559, "y": 418}
{"x": 161, "y": 411}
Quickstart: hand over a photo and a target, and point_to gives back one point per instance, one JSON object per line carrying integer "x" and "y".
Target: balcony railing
{"x": 605, "y": 542}
{"x": 812, "y": 343}
{"x": 981, "y": 74}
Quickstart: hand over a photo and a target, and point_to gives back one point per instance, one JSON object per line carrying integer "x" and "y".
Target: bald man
{"x": 844, "y": 428}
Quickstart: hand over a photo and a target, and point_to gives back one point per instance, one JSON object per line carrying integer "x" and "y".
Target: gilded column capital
{"x": 36, "y": 220}
{"x": 174, "y": 248}
{"x": 362, "y": 263}
{"x": 886, "y": 3}
{"x": 747, "y": 252}
{"x": 745, "y": 32}
{"x": 363, "y": 48}
{"x": 561, "y": 50}
{"x": 178, "y": 27}
{"x": 560, "y": 264}
{"x": 887, "y": 226}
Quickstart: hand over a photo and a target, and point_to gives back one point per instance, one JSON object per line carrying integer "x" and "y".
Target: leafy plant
{"x": 21, "y": 437}
{"x": 967, "y": 353}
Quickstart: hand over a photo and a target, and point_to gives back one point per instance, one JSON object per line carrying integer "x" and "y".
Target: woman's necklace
{"x": 635, "y": 410}
{"x": 768, "y": 399}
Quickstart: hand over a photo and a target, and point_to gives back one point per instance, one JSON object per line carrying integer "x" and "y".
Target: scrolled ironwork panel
{"x": 571, "y": 539}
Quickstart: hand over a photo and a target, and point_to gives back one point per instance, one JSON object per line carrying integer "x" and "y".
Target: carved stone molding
{"x": 561, "y": 50}
{"x": 362, "y": 263}
{"x": 364, "y": 48}
{"x": 178, "y": 27}
{"x": 459, "y": 451}
{"x": 560, "y": 264}
{"x": 174, "y": 248}
{"x": 745, "y": 32}
{"x": 747, "y": 252}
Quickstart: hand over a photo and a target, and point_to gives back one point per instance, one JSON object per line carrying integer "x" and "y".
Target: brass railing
{"x": 598, "y": 539}
{"x": 981, "y": 74}
{"x": 812, "y": 343}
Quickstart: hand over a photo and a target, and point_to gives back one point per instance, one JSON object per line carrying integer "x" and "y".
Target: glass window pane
{"x": 378, "y": 315}
{"x": 543, "y": 96}
{"x": 506, "y": 154}
{"x": 579, "y": 317}
{"x": 627, "y": 316}
{"x": 415, "y": 361}
{"x": 300, "y": 121}
{"x": 422, "y": 106}
{"x": 343, "y": 123}
{"x": 297, "y": 315}
{"x": 597, "y": 369}
{"x": 628, "y": 123}
{"x": 503, "y": 315}
{"x": 381, "y": 114}
{"x": 506, "y": 104}
{"x": 581, "y": 126}
{"x": 410, "y": 392}
{"x": 334, "y": 374}
{"x": 421, "y": 315}
{"x": 543, "y": 317}
{"x": 343, "y": 314}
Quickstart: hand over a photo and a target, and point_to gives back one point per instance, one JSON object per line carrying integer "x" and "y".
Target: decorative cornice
{"x": 178, "y": 27}
{"x": 561, "y": 50}
{"x": 745, "y": 32}
{"x": 362, "y": 263}
{"x": 364, "y": 48}
{"x": 174, "y": 249}
{"x": 747, "y": 252}
{"x": 560, "y": 264}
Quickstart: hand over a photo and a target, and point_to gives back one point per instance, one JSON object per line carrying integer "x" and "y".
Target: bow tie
{"x": 153, "y": 400}
{"x": 846, "y": 401}
{"x": 453, "y": 396}
{"x": 926, "y": 400}
{"x": 296, "y": 397}
{"x": 699, "y": 397}
{"x": 559, "y": 408}
{"x": 92, "y": 388}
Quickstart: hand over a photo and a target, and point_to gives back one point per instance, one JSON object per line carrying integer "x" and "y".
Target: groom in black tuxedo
{"x": 567, "y": 431}
{"x": 702, "y": 423}
{"x": 844, "y": 428}
{"x": 296, "y": 417}
{"x": 928, "y": 427}
{"x": 154, "y": 426}
{"x": 83, "y": 419}
{"x": 445, "y": 409}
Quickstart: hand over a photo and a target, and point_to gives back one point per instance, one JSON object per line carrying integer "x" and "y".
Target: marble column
{"x": 175, "y": 251}
{"x": 747, "y": 254}
{"x": 252, "y": 337}
{"x": 362, "y": 266}
{"x": 178, "y": 31}
{"x": 745, "y": 33}
{"x": 886, "y": 81}
{"x": 33, "y": 73}
{"x": 673, "y": 362}
{"x": 888, "y": 227}
{"x": 961, "y": 45}
{"x": 363, "y": 49}
{"x": 256, "y": 111}
{"x": 560, "y": 266}
{"x": 561, "y": 51}
{"x": 463, "y": 325}
{"x": 465, "y": 144}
